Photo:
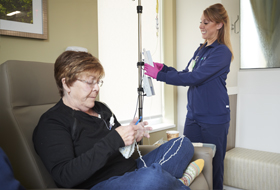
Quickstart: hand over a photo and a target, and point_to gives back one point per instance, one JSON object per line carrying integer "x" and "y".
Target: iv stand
{"x": 140, "y": 63}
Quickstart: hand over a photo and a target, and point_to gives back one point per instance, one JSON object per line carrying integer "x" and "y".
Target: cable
{"x": 157, "y": 27}
{"x": 136, "y": 107}
{"x": 157, "y": 24}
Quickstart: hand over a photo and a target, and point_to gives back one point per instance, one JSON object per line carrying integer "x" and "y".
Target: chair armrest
{"x": 205, "y": 153}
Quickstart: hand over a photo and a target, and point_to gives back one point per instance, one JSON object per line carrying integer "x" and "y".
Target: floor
{"x": 230, "y": 188}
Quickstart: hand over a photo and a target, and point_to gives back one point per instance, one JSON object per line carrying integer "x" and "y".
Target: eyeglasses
{"x": 92, "y": 83}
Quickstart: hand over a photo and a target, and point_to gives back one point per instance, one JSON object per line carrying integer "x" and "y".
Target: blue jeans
{"x": 214, "y": 134}
{"x": 7, "y": 179}
{"x": 162, "y": 171}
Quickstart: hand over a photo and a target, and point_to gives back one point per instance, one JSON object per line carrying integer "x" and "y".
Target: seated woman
{"x": 79, "y": 139}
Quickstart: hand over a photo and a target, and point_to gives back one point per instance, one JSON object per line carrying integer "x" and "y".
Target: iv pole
{"x": 140, "y": 63}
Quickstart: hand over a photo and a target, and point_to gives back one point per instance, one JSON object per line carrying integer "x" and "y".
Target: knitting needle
{"x": 138, "y": 120}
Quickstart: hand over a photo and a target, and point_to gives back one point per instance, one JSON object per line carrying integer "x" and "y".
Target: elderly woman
{"x": 79, "y": 139}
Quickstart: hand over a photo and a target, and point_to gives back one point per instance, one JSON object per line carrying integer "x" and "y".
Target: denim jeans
{"x": 165, "y": 165}
{"x": 7, "y": 179}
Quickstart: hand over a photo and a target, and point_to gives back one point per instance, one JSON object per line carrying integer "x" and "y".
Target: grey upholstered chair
{"x": 28, "y": 89}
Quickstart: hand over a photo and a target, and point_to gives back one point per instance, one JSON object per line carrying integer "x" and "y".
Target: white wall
{"x": 188, "y": 14}
{"x": 258, "y": 113}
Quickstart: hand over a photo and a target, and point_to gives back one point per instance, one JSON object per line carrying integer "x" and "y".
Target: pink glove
{"x": 152, "y": 71}
{"x": 158, "y": 65}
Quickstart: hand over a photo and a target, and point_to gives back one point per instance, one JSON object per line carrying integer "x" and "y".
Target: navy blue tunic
{"x": 208, "y": 100}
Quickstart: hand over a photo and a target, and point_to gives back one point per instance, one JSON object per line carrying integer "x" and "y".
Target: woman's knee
{"x": 186, "y": 145}
{"x": 155, "y": 176}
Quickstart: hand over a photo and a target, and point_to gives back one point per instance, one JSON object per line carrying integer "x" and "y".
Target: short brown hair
{"x": 70, "y": 64}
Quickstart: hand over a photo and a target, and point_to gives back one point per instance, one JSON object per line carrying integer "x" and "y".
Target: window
{"x": 260, "y": 28}
{"x": 118, "y": 53}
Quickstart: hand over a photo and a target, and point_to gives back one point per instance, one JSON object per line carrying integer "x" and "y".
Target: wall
{"x": 70, "y": 23}
{"x": 169, "y": 51}
{"x": 188, "y": 39}
{"x": 258, "y": 125}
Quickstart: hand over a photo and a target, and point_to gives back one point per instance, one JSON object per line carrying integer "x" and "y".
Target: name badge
{"x": 191, "y": 66}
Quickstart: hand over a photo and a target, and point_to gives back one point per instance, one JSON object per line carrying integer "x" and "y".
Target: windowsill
{"x": 161, "y": 127}
{"x": 156, "y": 125}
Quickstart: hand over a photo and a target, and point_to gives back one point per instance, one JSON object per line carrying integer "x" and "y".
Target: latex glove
{"x": 158, "y": 65}
{"x": 151, "y": 71}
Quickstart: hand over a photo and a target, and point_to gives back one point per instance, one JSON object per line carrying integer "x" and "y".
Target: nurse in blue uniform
{"x": 208, "y": 115}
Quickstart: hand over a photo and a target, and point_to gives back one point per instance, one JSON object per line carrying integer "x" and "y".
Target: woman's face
{"x": 83, "y": 92}
{"x": 209, "y": 29}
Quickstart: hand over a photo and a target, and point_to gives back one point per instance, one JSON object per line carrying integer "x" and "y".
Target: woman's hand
{"x": 152, "y": 71}
{"x": 127, "y": 133}
{"x": 142, "y": 131}
{"x": 159, "y": 66}
{"x": 131, "y": 132}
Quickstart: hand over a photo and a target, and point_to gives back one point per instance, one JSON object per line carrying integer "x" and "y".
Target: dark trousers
{"x": 214, "y": 134}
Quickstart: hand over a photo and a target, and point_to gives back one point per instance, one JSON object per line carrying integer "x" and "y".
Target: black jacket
{"x": 78, "y": 149}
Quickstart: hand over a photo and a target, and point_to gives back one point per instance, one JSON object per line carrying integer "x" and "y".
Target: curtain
{"x": 267, "y": 17}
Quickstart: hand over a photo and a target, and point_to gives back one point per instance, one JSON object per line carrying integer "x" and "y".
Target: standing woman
{"x": 208, "y": 108}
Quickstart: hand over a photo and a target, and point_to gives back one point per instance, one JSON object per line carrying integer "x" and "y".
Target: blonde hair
{"x": 217, "y": 13}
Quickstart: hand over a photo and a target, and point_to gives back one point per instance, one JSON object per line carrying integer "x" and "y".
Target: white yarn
{"x": 127, "y": 151}
{"x": 162, "y": 161}
{"x": 140, "y": 156}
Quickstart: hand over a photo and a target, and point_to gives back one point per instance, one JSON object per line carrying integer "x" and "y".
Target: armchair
{"x": 28, "y": 89}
